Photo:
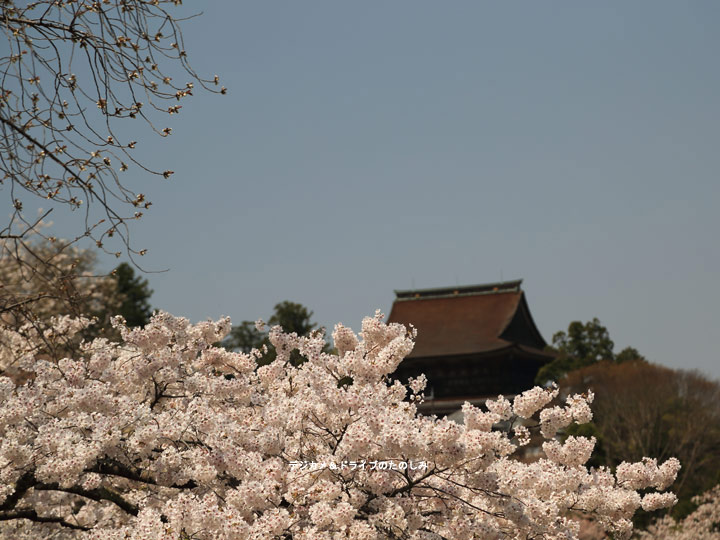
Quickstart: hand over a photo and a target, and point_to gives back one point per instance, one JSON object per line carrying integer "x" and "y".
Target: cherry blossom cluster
{"x": 165, "y": 436}
{"x": 702, "y": 524}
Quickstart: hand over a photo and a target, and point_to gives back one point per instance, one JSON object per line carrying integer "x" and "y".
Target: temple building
{"x": 473, "y": 342}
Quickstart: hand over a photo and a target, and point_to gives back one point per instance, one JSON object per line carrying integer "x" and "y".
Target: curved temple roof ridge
{"x": 484, "y": 288}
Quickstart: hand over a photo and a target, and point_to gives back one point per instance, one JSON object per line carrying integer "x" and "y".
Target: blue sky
{"x": 371, "y": 146}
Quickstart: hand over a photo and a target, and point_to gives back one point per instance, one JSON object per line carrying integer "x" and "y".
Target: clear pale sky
{"x": 371, "y": 146}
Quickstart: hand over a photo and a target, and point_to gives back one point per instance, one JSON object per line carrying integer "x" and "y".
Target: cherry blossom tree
{"x": 81, "y": 81}
{"x": 165, "y": 436}
{"x": 42, "y": 278}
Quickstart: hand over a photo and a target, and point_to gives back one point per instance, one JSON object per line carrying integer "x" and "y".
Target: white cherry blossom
{"x": 165, "y": 436}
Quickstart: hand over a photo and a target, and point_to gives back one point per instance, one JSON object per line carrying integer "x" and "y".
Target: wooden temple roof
{"x": 473, "y": 319}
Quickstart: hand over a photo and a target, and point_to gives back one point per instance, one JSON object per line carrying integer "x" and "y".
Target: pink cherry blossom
{"x": 165, "y": 436}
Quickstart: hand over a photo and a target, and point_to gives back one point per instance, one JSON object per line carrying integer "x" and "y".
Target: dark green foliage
{"x": 134, "y": 294}
{"x": 629, "y": 354}
{"x": 126, "y": 295}
{"x": 589, "y": 342}
{"x": 291, "y": 316}
{"x": 244, "y": 337}
{"x": 582, "y": 345}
